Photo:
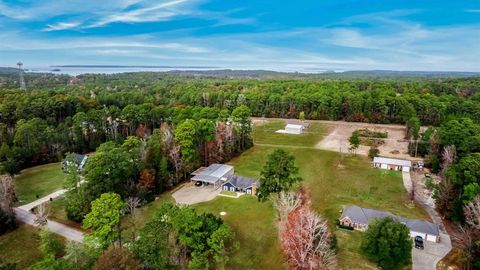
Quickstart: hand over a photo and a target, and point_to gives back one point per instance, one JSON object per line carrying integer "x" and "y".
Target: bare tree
{"x": 7, "y": 193}
{"x": 176, "y": 159}
{"x": 465, "y": 241}
{"x": 41, "y": 215}
{"x": 472, "y": 213}
{"x": 306, "y": 241}
{"x": 285, "y": 203}
{"x": 449, "y": 154}
{"x": 132, "y": 204}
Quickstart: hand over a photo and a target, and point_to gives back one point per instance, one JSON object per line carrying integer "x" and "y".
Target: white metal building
{"x": 214, "y": 174}
{"x": 392, "y": 164}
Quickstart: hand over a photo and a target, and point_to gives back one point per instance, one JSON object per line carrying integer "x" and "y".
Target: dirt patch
{"x": 337, "y": 140}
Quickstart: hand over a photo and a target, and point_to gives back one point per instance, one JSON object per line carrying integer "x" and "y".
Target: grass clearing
{"x": 39, "y": 180}
{"x": 21, "y": 246}
{"x": 254, "y": 226}
{"x": 334, "y": 182}
{"x": 265, "y": 134}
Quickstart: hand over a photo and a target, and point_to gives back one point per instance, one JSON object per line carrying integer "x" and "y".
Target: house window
{"x": 232, "y": 189}
{"x": 225, "y": 188}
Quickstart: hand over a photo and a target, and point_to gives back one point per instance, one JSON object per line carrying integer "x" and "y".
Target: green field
{"x": 40, "y": 180}
{"x": 20, "y": 246}
{"x": 333, "y": 184}
{"x": 264, "y": 133}
{"x": 254, "y": 226}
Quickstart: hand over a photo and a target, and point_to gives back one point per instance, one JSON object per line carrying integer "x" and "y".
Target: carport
{"x": 213, "y": 174}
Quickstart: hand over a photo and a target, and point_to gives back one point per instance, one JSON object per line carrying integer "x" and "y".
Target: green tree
{"x": 241, "y": 116}
{"x": 105, "y": 218}
{"x": 278, "y": 174}
{"x": 387, "y": 243}
{"x": 354, "y": 141}
{"x": 222, "y": 243}
{"x": 186, "y": 137}
{"x": 50, "y": 244}
{"x": 152, "y": 245}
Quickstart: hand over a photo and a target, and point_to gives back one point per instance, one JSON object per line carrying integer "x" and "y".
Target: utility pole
{"x": 22, "y": 80}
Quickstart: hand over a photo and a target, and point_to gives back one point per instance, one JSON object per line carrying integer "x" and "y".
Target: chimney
{"x": 254, "y": 188}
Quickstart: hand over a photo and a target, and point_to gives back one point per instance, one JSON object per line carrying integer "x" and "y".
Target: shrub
{"x": 387, "y": 243}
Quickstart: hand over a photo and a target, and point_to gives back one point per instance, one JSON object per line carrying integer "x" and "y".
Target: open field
{"x": 264, "y": 133}
{"x": 20, "y": 246}
{"x": 40, "y": 180}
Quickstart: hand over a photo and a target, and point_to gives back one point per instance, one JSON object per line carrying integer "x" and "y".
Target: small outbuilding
{"x": 292, "y": 129}
{"x": 213, "y": 174}
{"x": 392, "y": 164}
{"x": 241, "y": 184}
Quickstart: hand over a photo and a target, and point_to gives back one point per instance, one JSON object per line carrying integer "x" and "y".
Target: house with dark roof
{"x": 78, "y": 159}
{"x": 358, "y": 218}
{"x": 236, "y": 183}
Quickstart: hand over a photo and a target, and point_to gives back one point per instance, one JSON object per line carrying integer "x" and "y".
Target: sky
{"x": 302, "y": 35}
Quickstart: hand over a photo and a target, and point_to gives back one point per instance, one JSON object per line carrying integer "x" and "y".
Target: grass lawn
{"x": 253, "y": 223}
{"x": 20, "y": 246}
{"x": 334, "y": 183}
{"x": 40, "y": 180}
{"x": 265, "y": 134}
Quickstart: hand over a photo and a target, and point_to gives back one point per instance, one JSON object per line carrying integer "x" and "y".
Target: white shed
{"x": 392, "y": 164}
{"x": 293, "y": 129}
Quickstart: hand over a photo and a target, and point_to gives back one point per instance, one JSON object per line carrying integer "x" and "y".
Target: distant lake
{"x": 77, "y": 70}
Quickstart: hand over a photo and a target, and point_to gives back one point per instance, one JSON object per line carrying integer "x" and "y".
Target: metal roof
{"x": 212, "y": 173}
{"x": 392, "y": 161}
{"x": 362, "y": 215}
{"x": 293, "y": 126}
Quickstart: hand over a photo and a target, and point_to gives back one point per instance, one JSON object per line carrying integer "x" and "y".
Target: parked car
{"x": 198, "y": 183}
{"x": 419, "y": 242}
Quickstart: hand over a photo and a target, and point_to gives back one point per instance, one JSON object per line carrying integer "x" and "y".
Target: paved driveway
{"x": 190, "y": 194}
{"x": 55, "y": 227}
{"x": 428, "y": 258}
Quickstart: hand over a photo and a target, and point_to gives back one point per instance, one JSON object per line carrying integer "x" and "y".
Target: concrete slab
{"x": 191, "y": 194}
{"x": 428, "y": 258}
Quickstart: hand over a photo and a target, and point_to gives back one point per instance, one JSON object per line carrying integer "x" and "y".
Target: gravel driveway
{"x": 190, "y": 194}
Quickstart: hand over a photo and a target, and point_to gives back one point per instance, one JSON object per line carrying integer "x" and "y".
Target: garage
{"x": 428, "y": 231}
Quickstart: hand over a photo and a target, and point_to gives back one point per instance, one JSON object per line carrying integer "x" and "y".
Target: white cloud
{"x": 151, "y": 13}
{"x": 61, "y": 26}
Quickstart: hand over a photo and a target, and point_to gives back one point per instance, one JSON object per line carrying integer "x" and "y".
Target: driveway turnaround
{"x": 428, "y": 258}
{"x": 191, "y": 194}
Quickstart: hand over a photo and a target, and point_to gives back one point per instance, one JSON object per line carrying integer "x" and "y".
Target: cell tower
{"x": 20, "y": 72}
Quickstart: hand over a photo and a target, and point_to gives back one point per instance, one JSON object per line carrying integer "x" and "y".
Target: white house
{"x": 392, "y": 164}
{"x": 214, "y": 174}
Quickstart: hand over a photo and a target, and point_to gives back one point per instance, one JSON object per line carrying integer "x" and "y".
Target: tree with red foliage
{"x": 306, "y": 241}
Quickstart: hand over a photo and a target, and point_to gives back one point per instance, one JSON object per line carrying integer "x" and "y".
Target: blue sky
{"x": 249, "y": 34}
